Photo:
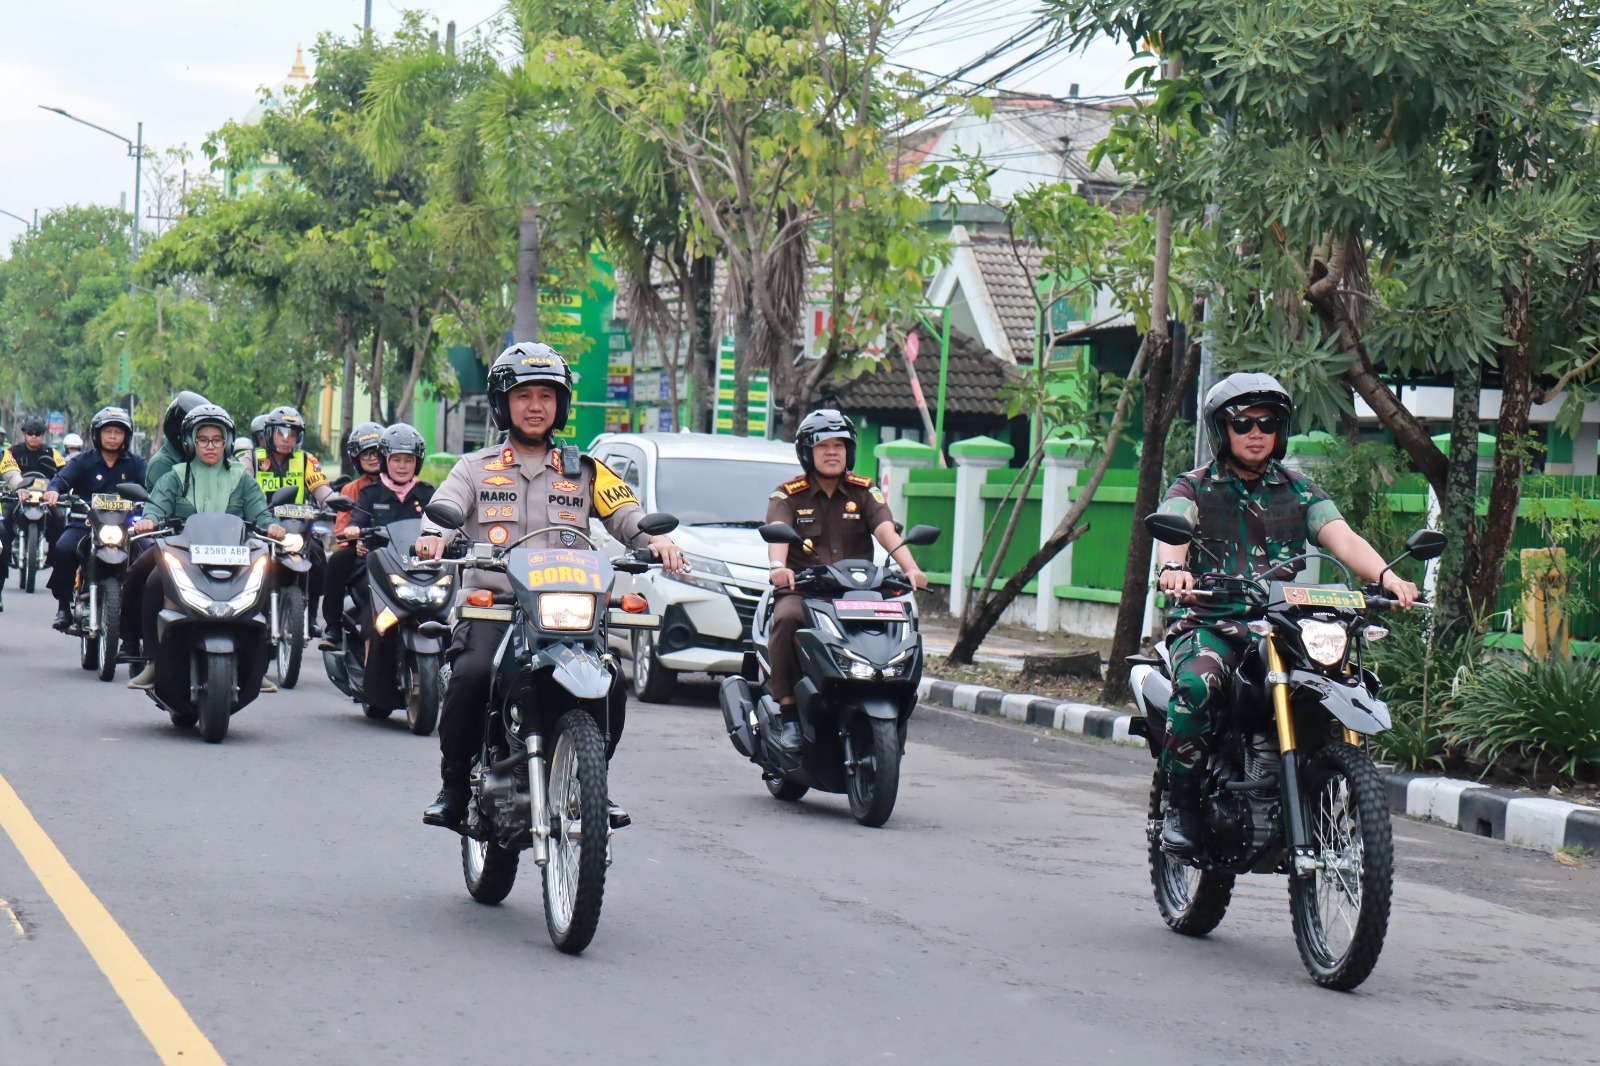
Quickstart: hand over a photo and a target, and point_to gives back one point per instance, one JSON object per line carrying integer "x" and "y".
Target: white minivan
{"x": 718, "y": 487}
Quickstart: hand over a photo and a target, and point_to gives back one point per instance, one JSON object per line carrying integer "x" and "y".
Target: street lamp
{"x": 135, "y": 149}
{"x": 31, "y": 225}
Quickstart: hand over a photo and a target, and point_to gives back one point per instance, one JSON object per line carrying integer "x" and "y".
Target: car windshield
{"x": 714, "y": 492}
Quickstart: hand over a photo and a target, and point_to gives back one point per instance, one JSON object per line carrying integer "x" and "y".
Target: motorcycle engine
{"x": 1241, "y": 823}
{"x": 507, "y": 803}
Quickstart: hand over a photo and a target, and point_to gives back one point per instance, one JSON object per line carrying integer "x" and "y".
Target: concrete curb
{"x": 1534, "y": 822}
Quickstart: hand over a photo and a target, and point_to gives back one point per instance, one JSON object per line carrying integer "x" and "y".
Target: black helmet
{"x": 361, "y": 438}
{"x": 111, "y": 416}
{"x": 284, "y": 417}
{"x": 33, "y": 424}
{"x": 172, "y": 421}
{"x": 206, "y": 414}
{"x": 524, "y": 364}
{"x": 1238, "y": 392}
{"x": 401, "y": 439}
{"x": 821, "y": 425}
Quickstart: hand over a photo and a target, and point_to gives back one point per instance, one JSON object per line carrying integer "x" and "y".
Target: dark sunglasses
{"x": 1268, "y": 424}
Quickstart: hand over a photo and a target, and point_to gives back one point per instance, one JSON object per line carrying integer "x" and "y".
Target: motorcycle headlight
{"x": 1325, "y": 641}
{"x": 853, "y": 665}
{"x": 897, "y": 667}
{"x": 566, "y": 610}
{"x": 110, "y": 535}
{"x": 437, "y": 594}
{"x": 293, "y": 543}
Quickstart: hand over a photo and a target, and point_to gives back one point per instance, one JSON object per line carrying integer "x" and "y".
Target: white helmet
{"x": 72, "y": 443}
{"x": 243, "y": 446}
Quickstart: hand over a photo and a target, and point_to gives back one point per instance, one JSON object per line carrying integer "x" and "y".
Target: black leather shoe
{"x": 128, "y": 652}
{"x": 63, "y": 620}
{"x": 788, "y": 737}
{"x": 619, "y": 817}
{"x": 448, "y": 808}
{"x": 330, "y": 644}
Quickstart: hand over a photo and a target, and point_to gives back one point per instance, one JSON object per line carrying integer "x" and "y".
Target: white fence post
{"x": 896, "y": 459}
{"x": 974, "y": 458}
{"x": 1063, "y": 459}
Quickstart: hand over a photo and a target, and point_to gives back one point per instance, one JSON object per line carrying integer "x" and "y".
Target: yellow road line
{"x": 171, "y": 1032}
{"x": 16, "y": 923}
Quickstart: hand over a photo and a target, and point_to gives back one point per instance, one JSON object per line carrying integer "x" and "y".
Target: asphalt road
{"x": 283, "y": 888}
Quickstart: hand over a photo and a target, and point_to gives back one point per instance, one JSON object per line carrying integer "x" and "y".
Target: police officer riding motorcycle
{"x": 96, "y": 472}
{"x": 281, "y": 462}
{"x": 505, "y": 492}
{"x": 26, "y": 468}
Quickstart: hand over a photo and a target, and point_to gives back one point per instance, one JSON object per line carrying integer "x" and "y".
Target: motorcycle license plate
{"x": 859, "y": 609}
{"x": 295, "y": 510}
{"x": 219, "y": 554}
{"x": 1308, "y": 597}
{"x": 102, "y": 501}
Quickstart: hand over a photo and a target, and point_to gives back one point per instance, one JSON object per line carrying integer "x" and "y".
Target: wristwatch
{"x": 1171, "y": 565}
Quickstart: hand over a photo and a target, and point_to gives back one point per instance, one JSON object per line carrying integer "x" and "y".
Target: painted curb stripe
{"x": 171, "y": 1032}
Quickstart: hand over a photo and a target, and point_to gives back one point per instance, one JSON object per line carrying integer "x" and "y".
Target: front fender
{"x": 1353, "y": 705}
{"x": 216, "y": 643}
{"x": 879, "y": 707}
{"x": 579, "y": 671}
{"x": 420, "y": 644}
{"x": 298, "y": 563}
{"x": 111, "y": 556}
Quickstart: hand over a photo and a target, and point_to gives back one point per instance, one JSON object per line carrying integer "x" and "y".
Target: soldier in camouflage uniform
{"x": 1255, "y": 513}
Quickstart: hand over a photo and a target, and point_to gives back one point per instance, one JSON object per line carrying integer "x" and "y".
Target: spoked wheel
{"x": 652, "y": 682}
{"x": 110, "y": 627}
{"x": 292, "y": 635}
{"x": 580, "y": 829}
{"x": 30, "y": 558}
{"x": 489, "y": 869}
{"x": 875, "y": 744}
{"x": 88, "y": 647}
{"x": 1341, "y": 912}
{"x": 216, "y": 701}
{"x": 1191, "y": 901}
{"x": 423, "y": 693}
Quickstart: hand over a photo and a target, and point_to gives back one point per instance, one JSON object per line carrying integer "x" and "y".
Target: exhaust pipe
{"x": 739, "y": 714}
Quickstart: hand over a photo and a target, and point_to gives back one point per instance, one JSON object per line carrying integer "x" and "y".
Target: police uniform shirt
{"x": 838, "y": 526}
{"x": 87, "y": 473}
{"x": 19, "y": 459}
{"x": 506, "y": 494}
{"x": 378, "y": 504}
{"x": 301, "y": 468}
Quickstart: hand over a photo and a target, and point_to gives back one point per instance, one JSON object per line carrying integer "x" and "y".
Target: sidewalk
{"x": 1535, "y": 822}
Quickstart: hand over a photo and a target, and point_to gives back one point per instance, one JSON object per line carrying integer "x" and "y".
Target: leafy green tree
{"x": 56, "y": 282}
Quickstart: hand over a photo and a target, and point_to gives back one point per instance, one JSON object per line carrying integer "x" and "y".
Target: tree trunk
{"x": 1458, "y": 507}
{"x": 375, "y": 378}
{"x": 704, "y": 344}
{"x": 743, "y": 357}
{"x": 347, "y": 406}
{"x": 525, "y": 309}
{"x": 970, "y": 636}
{"x": 1510, "y": 456}
{"x": 1129, "y": 632}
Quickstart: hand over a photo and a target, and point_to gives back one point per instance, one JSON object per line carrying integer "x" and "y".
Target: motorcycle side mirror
{"x": 779, "y": 533}
{"x": 434, "y": 629}
{"x": 1426, "y": 544}
{"x": 658, "y": 524}
{"x": 445, "y": 515}
{"x": 132, "y": 490}
{"x": 341, "y": 504}
{"x": 1170, "y": 528}
{"x": 921, "y": 536}
{"x": 284, "y": 495}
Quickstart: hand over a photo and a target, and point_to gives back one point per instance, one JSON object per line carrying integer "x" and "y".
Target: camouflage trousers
{"x": 1204, "y": 656}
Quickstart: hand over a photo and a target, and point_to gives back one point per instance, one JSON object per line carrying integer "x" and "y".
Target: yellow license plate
{"x": 1309, "y": 597}
{"x": 102, "y": 501}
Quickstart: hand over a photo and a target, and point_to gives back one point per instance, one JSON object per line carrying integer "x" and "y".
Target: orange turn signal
{"x": 480, "y": 598}
{"x": 633, "y": 603}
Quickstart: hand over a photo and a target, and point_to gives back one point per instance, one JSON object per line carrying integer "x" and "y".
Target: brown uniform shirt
{"x": 838, "y": 526}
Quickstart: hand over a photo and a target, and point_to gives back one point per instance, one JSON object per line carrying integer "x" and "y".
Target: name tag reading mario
{"x": 557, "y": 569}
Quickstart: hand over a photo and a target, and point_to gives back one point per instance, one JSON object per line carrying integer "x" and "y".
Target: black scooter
{"x": 211, "y": 634}
{"x": 402, "y": 593}
{"x": 97, "y": 599}
{"x": 860, "y": 658}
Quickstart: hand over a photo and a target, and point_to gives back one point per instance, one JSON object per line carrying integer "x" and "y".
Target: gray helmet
{"x": 821, "y": 425}
{"x": 400, "y": 439}
{"x": 529, "y": 363}
{"x": 206, "y": 414}
{"x": 1237, "y": 392}
{"x": 110, "y": 416}
{"x": 285, "y": 417}
{"x": 363, "y": 437}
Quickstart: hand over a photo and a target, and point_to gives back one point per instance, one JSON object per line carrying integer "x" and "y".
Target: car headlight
{"x": 703, "y": 573}
{"x": 1325, "y": 641}
{"x": 293, "y": 543}
{"x": 110, "y": 535}
{"x": 566, "y": 610}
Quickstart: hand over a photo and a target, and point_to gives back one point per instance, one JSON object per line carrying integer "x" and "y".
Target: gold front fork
{"x": 1280, "y": 697}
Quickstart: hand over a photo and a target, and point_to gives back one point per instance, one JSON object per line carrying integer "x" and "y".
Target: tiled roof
{"x": 1011, "y": 287}
{"x": 973, "y": 385}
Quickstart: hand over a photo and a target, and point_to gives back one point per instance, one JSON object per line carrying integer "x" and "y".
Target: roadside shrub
{"x": 1547, "y": 712}
{"x": 1420, "y": 673}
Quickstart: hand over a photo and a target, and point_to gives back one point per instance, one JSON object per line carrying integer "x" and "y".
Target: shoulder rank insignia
{"x": 793, "y": 488}
{"x": 858, "y": 480}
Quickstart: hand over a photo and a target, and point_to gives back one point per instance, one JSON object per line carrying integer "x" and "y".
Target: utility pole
{"x": 366, "y": 21}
